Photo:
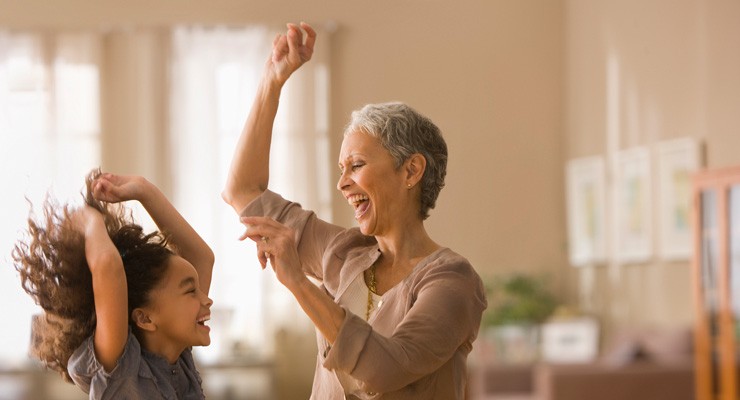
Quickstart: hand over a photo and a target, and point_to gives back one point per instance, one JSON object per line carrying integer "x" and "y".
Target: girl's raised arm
{"x": 190, "y": 246}
{"x": 249, "y": 172}
{"x": 109, "y": 286}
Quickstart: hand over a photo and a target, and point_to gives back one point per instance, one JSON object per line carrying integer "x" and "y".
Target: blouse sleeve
{"x": 312, "y": 235}
{"x": 447, "y": 303}
{"x": 90, "y": 375}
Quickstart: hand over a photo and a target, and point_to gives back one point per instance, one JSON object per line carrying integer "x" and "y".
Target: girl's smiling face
{"x": 372, "y": 184}
{"x": 179, "y": 308}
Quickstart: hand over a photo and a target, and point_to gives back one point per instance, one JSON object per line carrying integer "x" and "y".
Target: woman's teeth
{"x": 356, "y": 199}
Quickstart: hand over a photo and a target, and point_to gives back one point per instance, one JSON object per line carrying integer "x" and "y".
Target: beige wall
{"x": 676, "y": 73}
{"x": 518, "y": 87}
{"x": 487, "y": 72}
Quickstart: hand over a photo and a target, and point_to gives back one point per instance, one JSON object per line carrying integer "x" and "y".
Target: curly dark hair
{"x": 54, "y": 272}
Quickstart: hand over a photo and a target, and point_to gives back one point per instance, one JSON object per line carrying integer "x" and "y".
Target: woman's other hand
{"x": 289, "y": 51}
{"x": 113, "y": 188}
{"x": 275, "y": 242}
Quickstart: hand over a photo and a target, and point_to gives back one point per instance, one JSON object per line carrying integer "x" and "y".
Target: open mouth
{"x": 202, "y": 320}
{"x": 360, "y": 202}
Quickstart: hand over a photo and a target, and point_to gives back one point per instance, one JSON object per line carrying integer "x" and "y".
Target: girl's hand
{"x": 113, "y": 188}
{"x": 289, "y": 51}
{"x": 275, "y": 242}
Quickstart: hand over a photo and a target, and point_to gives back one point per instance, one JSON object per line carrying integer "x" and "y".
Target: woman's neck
{"x": 409, "y": 243}
{"x": 399, "y": 254}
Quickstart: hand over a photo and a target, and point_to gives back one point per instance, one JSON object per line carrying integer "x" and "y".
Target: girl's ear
{"x": 415, "y": 166}
{"x": 142, "y": 320}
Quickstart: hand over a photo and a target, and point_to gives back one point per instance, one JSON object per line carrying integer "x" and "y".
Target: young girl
{"x": 122, "y": 308}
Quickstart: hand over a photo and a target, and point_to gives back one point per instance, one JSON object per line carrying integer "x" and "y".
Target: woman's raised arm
{"x": 249, "y": 172}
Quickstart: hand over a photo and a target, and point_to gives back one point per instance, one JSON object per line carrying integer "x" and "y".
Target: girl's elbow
{"x": 210, "y": 259}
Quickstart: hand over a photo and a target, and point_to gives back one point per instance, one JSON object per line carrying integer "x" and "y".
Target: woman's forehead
{"x": 359, "y": 143}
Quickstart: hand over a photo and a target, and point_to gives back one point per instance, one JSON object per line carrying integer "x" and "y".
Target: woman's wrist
{"x": 298, "y": 284}
{"x": 271, "y": 81}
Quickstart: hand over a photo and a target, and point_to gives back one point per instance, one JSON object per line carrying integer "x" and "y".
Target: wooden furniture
{"x": 716, "y": 273}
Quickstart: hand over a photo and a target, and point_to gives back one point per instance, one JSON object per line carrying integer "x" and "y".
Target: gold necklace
{"x": 372, "y": 288}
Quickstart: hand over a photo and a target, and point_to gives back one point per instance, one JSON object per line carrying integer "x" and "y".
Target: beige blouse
{"x": 413, "y": 347}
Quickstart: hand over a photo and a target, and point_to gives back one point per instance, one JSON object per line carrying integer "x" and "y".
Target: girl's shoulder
{"x": 83, "y": 366}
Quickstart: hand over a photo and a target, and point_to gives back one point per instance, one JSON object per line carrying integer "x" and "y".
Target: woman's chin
{"x": 364, "y": 227}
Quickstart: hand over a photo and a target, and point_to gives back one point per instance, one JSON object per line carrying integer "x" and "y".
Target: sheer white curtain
{"x": 214, "y": 77}
{"x": 49, "y": 139}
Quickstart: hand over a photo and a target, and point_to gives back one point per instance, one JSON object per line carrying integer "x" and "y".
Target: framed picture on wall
{"x": 632, "y": 200}
{"x": 678, "y": 160}
{"x": 586, "y": 212}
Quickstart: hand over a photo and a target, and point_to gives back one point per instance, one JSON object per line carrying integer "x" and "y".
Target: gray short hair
{"x": 403, "y": 132}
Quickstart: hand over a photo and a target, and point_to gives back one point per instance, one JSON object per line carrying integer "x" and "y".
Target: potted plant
{"x": 517, "y": 305}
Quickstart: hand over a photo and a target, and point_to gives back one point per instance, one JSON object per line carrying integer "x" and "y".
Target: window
{"x": 49, "y": 139}
{"x": 215, "y": 73}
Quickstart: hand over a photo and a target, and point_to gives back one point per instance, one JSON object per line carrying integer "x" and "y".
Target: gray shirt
{"x": 416, "y": 345}
{"x": 138, "y": 374}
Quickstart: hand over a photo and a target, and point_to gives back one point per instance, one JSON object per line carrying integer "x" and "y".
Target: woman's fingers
{"x": 279, "y": 48}
{"x": 274, "y": 240}
{"x": 262, "y": 257}
{"x": 307, "y": 50}
{"x": 295, "y": 38}
{"x": 289, "y": 47}
{"x": 310, "y": 35}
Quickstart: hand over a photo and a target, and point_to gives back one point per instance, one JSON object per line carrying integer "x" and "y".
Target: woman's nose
{"x": 343, "y": 181}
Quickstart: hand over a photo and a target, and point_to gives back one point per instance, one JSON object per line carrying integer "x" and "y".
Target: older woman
{"x": 396, "y": 313}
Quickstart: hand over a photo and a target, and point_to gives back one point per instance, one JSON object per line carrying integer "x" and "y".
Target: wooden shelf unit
{"x": 716, "y": 273}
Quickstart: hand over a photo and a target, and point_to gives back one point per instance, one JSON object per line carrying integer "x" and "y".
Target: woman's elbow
{"x": 239, "y": 198}
{"x": 233, "y": 197}
{"x": 228, "y": 194}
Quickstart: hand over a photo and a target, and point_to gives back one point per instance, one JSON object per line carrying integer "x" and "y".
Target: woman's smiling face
{"x": 372, "y": 184}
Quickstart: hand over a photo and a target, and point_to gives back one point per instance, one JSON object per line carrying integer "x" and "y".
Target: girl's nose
{"x": 206, "y": 301}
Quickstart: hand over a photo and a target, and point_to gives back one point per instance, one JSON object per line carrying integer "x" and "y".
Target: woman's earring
{"x": 408, "y": 185}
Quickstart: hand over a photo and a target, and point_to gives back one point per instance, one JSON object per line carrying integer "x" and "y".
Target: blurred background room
{"x": 564, "y": 121}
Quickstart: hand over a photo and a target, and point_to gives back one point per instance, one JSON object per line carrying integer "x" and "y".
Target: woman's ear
{"x": 415, "y": 166}
{"x": 142, "y": 320}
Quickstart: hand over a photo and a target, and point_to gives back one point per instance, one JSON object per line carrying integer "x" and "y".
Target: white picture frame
{"x": 677, "y": 160}
{"x": 632, "y": 201}
{"x": 586, "y": 195}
